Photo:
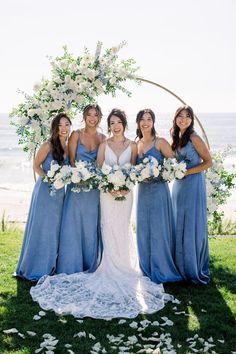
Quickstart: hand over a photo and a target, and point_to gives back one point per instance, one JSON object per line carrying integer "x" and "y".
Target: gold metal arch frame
{"x": 182, "y": 101}
{"x": 174, "y": 95}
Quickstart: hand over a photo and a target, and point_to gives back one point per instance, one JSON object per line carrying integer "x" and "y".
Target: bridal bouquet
{"x": 117, "y": 178}
{"x": 172, "y": 169}
{"x": 148, "y": 170}
{"x": 84, "y": 176}
{"x": 57, "y": 177}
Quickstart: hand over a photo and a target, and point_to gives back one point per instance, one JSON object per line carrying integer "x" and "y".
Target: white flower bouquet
{"x": 84, "y": 176}
{"x": 57, "y": 177}
{"x": 172, "y": 169}
{"x": 148, "y": 170}
{"x": 117, "y": 178}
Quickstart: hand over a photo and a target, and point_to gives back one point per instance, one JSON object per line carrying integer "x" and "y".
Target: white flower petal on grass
{"x": 145, "y": 323}
{"x": 202, "y": 310}
{"x": 140, "y": 329}
{"x": 30, "y": 333}
{"x": 53, "y": 342}
{"x": 70, "y": 351}
{"x": 221, "y": 341}
{"x": 49, "y": 352}
{"x": 176, "y": 301}
{"x": 121, "y": 321}
{"x": 36, "y": 318}
{"x": 133, "y": 325}
{"x": 48, "y": 336}
{"x": 38, "y": 350}
{"x": 133, "y": 339}
{"x": 80, "y": 334}
{"x": 79, "y": 321}
{"x": 91, "y": 336}
{"x": 67, "y": 346}
{"x": 155, "y": 323}
{"x": 21, "y": 335}
{"x": 42, "y": 313}
{"x": 10, "y": 331}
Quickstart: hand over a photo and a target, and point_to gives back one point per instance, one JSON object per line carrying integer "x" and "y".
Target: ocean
{"x": 16, "y": 181}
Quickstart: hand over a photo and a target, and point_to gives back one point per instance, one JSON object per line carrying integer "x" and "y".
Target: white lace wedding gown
{"x": 117, "y": 288}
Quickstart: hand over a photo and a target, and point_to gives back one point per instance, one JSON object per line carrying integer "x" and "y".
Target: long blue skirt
{"x": 40, "y": 246}
{"x": 191, "y": 236}
{"x": 80, "y": 232}
{"x": 155, "y": 233}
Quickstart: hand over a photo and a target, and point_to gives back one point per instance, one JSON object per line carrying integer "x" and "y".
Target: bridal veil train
{"x": 117, "y": 288}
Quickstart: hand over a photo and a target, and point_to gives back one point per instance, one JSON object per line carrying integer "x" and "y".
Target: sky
{"x": 188, "y": 46}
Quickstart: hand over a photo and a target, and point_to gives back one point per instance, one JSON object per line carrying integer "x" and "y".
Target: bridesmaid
{"x": 189, "y": 199}
{"x": 40, "y": 245}
{"x": 154, "y": 209}
{"x": 80, "y": 231}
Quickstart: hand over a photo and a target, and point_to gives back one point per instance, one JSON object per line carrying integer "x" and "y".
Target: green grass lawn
{"x": 204, "y": 311}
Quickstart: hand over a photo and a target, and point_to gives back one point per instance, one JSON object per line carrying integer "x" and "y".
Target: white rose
{"x": 179, "y": 174}
{"x": 58, "y": 184}
{"x": 50, "y": 174}
{"x": 106, "y": 169}
{"x": 55, "y": 167}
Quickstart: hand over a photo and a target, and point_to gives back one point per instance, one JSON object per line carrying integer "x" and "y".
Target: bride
{"x": 117, "y": 288}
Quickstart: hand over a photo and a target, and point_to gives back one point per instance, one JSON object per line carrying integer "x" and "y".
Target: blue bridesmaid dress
{"x": 155, "y": 228}
{"x": 80, "y": 229}
{"x": 40, "y": 245}
{"x": 190, "y": 214}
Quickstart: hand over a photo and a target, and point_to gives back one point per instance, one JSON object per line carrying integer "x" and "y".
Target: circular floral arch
{"x": 78, "y": 81}
{"x": 75, "y": 82}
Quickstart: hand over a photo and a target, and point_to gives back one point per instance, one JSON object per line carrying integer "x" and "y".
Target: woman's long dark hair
{"x": 118, "y": 113}
{"x": 57, "y": 148}
{"x": 138, "y": 119}
{"x": 177, "y": 140}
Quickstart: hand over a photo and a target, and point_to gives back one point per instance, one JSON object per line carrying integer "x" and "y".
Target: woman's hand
{"x": 120, "y": 193}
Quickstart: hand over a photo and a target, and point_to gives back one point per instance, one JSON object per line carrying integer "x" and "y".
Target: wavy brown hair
{"x": 92, "y": 106}
{"x": 118, "y": 113}
{"x": 138, "y": 120}
{"x": 177, "y": 140}
{"x": 57, "y": 148}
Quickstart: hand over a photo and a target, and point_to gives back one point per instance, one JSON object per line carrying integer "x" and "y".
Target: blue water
{"x": 15, "y": 169}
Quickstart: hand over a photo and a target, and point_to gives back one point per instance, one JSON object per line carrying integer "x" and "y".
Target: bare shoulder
{"x": 134, "y": 146}
{"x": 133, "y": 143}
{"x": 75, "y": 135}
{"x": 45, "y": 147}
{"x": 161, "y": 142}
{"x": 101, "y": 137}
{"x": 102, "y": 144}
{"x": 196, "y": 139}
